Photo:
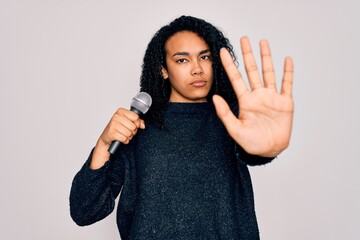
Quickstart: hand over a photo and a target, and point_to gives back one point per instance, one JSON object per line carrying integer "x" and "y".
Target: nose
{"x": 197, "y": 69}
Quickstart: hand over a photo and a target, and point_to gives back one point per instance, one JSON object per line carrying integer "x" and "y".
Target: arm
{"x": 98, "y": 183}
{"x": 93, "y": 192}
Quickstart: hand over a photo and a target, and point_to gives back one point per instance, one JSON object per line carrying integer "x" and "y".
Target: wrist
{"x": 100, "y": 155}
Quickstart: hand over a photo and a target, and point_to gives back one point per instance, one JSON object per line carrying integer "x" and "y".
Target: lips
{"x": 198, "y": 83}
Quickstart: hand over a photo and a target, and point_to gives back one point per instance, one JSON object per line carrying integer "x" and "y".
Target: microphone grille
{"x": 141, "y": 102}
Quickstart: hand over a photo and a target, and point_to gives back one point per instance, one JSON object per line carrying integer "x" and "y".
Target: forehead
{"x": 185, "y": 41}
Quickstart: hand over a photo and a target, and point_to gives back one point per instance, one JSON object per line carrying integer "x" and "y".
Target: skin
{"x": 263, "y": 126}
{"x": 189, "y": 67}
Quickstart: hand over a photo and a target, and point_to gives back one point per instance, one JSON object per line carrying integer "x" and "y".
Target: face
{"x": 189, "y": 67}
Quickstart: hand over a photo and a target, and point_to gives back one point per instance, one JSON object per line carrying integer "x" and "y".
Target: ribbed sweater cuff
{"x": 249, "y": 159}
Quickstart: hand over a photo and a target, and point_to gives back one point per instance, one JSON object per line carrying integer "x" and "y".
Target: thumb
{"x": 225, "y": 114}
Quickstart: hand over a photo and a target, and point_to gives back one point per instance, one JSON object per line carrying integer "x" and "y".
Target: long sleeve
{"x": 93, "y": 192}
{"x": 189, "y": 181}
{"x": 249, "y": 159}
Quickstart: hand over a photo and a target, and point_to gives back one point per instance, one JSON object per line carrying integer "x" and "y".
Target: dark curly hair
{"x": 152, "y": 81}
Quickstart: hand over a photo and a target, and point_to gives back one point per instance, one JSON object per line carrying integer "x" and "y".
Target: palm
{"x": 265, "y": 118}
{"x": 263, "y": 126}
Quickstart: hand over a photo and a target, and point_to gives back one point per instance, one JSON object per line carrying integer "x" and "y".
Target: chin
{"x": 200, "y": 98}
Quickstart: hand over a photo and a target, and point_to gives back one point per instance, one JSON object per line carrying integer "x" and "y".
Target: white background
{"x": 67, "y": 65}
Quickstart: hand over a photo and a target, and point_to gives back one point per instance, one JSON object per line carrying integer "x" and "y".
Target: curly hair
{"x": 152, "y": 81}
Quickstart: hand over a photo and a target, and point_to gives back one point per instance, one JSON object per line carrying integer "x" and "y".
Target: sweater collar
{"x": 192, "y": 108}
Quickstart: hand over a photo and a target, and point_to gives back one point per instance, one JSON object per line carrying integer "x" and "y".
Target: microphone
{"x": 140, "y": 104}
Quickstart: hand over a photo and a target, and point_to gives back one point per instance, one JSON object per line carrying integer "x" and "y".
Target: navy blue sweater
{"x": 188, "y": 181}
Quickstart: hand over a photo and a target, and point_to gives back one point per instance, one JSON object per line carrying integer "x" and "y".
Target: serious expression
{"x": 188, "y": 67}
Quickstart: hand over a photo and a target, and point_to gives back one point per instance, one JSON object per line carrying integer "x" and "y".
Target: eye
{"x": 205, "y": 57}
{"x": 181, "y": 60}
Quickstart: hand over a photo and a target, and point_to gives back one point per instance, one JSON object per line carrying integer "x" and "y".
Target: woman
{"x": 185, "y": 175}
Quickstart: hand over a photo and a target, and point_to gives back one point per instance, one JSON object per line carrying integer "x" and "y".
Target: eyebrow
{"x": 187, "y": 53}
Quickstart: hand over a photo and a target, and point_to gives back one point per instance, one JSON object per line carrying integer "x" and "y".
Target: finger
{"x": 127, "y": 123}
{"x": 267, "y": 65}
{"x": 135, "y": 119}
{"x": 226, "y": 116}
{"x": 233, "y": 73}
{"x": 131, "y": 115}
{"x": 121, "y": 138}
{"x": 142, "y": 124}
{"x": 287, "y": 81}
{"x": 125, "y": 131}
{"x": 250, "y": 64}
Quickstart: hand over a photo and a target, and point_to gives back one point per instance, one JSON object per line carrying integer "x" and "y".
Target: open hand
{"x": 263, "y": 126}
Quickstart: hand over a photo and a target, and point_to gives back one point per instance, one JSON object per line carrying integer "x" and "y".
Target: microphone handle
{"x": 116, "y": 144}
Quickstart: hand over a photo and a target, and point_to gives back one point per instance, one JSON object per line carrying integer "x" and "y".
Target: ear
{"x": 164, "y": 73}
